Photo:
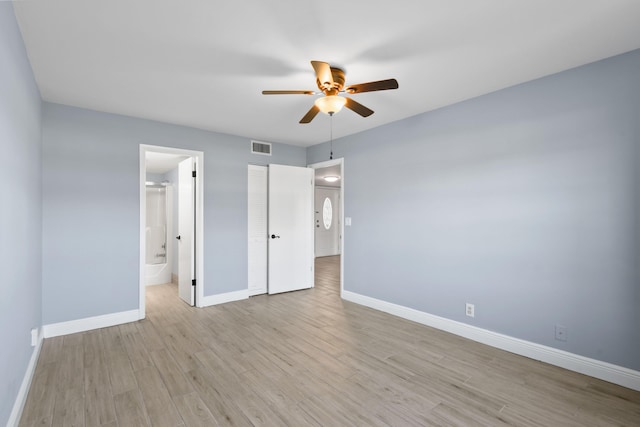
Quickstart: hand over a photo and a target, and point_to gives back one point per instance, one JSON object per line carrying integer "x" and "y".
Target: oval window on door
{"x": 327, "y": 213}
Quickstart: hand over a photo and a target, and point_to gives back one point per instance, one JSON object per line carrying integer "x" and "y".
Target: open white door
{"x": 185, "y": 231}
{"x": 290, "y": 228}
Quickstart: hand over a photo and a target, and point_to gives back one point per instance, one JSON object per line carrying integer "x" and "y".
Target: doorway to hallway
{"x": 329, "y": 217}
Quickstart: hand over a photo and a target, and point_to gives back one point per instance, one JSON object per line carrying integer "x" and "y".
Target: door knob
{"x": 273, "y": 236}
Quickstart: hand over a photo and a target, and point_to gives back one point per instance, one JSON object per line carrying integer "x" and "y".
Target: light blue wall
{"x": 91, "y": 208}
{"x": 524, "y": 202}
{"x": 20, "y": 211}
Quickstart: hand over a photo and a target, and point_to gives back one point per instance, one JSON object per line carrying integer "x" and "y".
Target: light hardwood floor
{"x": 298, "y": 359}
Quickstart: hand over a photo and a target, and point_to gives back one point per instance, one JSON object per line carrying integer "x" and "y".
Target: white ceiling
{"x": 203, "y": 63}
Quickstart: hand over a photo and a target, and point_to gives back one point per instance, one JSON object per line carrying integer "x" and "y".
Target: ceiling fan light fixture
{"x": 330, "y": 104}
{"x": 330, "y": 81}
{"x": 331, "y": 178}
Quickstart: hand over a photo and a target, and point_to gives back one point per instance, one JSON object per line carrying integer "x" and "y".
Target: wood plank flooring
{"x": 304, "y": 358}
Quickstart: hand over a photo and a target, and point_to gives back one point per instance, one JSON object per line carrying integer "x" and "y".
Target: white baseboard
{"x": 21, "y": 398}
{"x": 90, "y": 323}
{"x": 573, "y": 362}
{"x": 254, "y": 292}
{"x": 223, "y": 298}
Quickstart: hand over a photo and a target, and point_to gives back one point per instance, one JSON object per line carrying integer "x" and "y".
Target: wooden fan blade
{"x": 358, "y": 108}
{"x": 323, "y": 73}
{"x": 288, "y": 92}
{"x": 310, "y": 114}
{"x": 373, "y": 86}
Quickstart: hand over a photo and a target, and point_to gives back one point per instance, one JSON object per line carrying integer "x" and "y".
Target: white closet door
{"x": 257, "y": 232}
{"x": 290, "y": 228}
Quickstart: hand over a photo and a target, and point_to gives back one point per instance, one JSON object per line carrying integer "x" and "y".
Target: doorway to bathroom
{"x": 171, "y": 193}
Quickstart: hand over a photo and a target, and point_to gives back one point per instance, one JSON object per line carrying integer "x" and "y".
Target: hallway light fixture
{"x": 331, "y": 178}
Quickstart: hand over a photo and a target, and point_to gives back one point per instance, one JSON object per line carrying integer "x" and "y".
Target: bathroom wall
{"x": 155, "y": 177}
{"x": 156, "y": 225}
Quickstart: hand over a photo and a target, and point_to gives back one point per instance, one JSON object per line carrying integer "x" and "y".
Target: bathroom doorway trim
{"x": 198, "y": 158}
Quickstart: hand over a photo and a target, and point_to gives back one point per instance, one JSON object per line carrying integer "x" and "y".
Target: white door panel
{"x": 290, "y": 228}
{"x": 185, "y": 230}
{"x": 257, "y": 229}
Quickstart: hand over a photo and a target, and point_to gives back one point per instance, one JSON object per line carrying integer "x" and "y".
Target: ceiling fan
{"x": 330, "y": 81}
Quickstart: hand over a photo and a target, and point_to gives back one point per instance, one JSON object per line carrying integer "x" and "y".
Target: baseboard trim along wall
{"x": 210, "y": 300}
{"x": 113, "y": 319}
{"x": 21, "y": 398}
{"x": 90, "y": 323}
{"x": 573, "y": 362}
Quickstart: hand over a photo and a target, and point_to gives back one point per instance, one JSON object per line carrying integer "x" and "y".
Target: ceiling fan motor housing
{"x": 338, "y": 76}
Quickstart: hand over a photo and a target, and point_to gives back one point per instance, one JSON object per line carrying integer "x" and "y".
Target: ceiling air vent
{"x": 263, "y": 148}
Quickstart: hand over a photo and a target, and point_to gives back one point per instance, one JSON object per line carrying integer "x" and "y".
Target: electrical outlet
{"x": 470, "y": 310}
{"x": 34, "y": 337}
{"x": 561, "y": 333}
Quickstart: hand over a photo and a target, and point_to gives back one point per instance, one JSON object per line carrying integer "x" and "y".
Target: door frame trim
{"x": 198, "y": 157}
{"x": 327, "y": 163}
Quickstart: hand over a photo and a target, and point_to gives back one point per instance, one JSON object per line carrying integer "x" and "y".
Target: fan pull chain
{"x": 331, "y": 135}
